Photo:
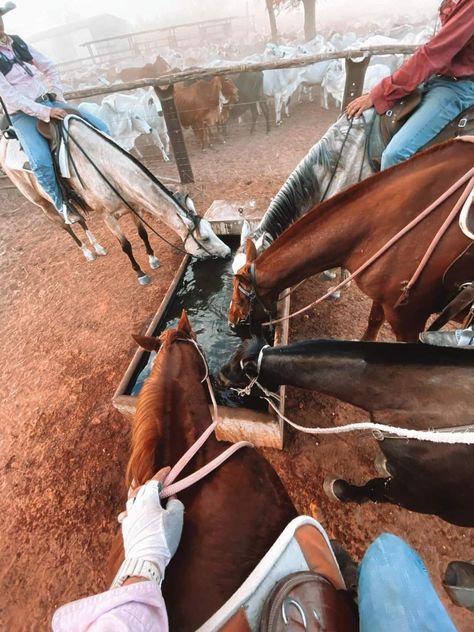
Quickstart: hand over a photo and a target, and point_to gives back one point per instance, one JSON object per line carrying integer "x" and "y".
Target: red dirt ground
{"x": 65, "y": 334}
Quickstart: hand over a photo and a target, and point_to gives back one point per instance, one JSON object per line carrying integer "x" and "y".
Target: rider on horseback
{"x": 445, "y": 67}
{"x": 25, "y": 97}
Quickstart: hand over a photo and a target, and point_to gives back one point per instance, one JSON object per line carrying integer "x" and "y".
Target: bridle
{"x": 252, "y": 294}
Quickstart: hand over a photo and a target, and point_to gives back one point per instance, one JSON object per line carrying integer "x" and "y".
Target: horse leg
{"x": 114, "y": 226}
{"x": 406, "y": 325}
{"x": 100, "y": 250}
{"x": 266, "y": 113}
{"x": 152, "y": 259}
{"x": 376, "y": 320}
{"x": 90, "y": 256}
{"x": 375, "y": 490}
{"x": 254, "y": 113}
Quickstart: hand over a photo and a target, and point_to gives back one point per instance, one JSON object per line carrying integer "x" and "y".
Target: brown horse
{"x": 346, "y": 230}
{"x": 233, "y": 516}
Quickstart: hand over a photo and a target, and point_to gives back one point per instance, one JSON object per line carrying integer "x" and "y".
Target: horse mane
{"x": 147, "y": 428}
{"x": 302, "y": 189}
{"x": 368, "y": 185}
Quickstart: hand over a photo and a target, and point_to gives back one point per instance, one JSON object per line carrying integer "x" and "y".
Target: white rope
{"x": 434, "y": 436}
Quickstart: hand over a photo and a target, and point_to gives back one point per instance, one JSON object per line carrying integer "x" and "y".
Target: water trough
{"x": 204, "y": 288}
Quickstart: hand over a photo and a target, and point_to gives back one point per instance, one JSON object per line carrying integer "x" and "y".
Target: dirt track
{"x": 65, "y": 333}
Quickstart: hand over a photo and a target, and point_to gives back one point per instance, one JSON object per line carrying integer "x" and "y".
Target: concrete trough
{"x": 241, "y": 420}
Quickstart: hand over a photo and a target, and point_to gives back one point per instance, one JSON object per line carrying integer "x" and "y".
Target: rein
{"x": 467, "y": 177}
{"x": 380, "y": 431}
{"x": 194, "y": 218}
{"x": 170, "y": 485}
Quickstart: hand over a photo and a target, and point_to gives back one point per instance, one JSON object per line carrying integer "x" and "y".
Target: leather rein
{"x": 170, "y": 485}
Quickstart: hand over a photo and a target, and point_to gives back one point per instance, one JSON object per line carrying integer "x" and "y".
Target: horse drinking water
{"x": 113, "y": 183}
{"x": 233, "y": 516}
{"x": 350, "y": 228}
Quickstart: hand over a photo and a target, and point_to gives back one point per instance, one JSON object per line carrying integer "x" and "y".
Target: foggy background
{"x": 33, "y": 16}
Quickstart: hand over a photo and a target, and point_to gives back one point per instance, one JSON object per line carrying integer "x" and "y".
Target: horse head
{"x": 243, "y": 292}
{"x": 243, "y": 365}
{"x": 199, "y": 238}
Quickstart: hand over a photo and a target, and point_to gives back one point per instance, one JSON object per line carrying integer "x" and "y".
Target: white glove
{"x": 151, "y": 532}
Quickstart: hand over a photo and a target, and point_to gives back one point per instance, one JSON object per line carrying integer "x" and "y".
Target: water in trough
{"x": 204, "y": 292}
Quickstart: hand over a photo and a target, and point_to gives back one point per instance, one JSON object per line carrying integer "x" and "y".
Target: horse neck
{"x": 313, "y": 176}
{"x": 146, "y": 194}
{"x": 395, "y": 382}
{"x": 172, "y": 411}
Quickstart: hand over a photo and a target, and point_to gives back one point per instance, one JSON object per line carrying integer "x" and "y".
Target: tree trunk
{"x": 309, "y": 19}
{"x": 272, "y": 18}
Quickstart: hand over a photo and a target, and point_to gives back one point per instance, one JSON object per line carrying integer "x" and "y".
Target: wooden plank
{"x": 242, "y": 424}
{"x": 201, "y": 73}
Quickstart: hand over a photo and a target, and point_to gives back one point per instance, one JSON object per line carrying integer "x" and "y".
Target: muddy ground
{"x": 65, "y": 330}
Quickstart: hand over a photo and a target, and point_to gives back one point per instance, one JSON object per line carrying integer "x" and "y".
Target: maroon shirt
{"x": 450, "y": 52}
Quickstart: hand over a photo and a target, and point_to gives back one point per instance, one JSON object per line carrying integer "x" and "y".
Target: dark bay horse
{"x": 347, "y": 229}
{"x": 232, "y": 517}
{"x": 407, "y": 385}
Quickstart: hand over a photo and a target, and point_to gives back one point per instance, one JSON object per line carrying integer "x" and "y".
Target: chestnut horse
{"x": 346, "y": 230}
{"x": 232, "y": 516}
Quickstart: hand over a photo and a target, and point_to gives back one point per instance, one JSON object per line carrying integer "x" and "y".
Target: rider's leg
{"x": 456, "y": 338}
{"x": 97, "y": 122}
{"x": 443, "y": 100}
{"x": 39, "y": 156}
{"x": 395, "y": 591}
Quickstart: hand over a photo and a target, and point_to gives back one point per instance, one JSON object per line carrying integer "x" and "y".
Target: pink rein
{"x": 170, "y": 487}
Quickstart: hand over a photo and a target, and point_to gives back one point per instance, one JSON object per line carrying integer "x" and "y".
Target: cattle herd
{"x": 206, "y": 105}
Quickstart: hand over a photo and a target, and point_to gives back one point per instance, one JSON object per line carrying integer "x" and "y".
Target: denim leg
{"x": 97, "y": 122}
{"x": 39, "y": 155}
{"x": 443, "y": 100}
{"x": 395, "y": 591}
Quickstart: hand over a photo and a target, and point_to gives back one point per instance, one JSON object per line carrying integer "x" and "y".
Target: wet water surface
{"x": 204, "y": 292}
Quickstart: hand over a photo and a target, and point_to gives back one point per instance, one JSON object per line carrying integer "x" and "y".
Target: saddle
{"x": 298, "y": 581}
{"x": 385, "y": 126}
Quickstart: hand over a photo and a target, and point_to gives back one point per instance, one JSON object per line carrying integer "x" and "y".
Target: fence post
{"x": 166, "y": 96}
{"x": 355, "y": 74}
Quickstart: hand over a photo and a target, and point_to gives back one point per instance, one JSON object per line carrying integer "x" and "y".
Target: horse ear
{"x": 245, "y": 232}
{"x": 147, "y": 342}
{"x": 250, "y": 251}
{"x": 184, "y": 324}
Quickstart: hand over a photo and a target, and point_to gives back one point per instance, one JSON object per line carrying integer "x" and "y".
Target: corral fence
{"x": 356, "y": 62}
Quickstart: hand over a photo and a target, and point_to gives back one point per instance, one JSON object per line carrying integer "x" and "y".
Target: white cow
{"x": 335, "y": 80}
{"x": 282, "y": 83}
{"x": 149, "y": 107}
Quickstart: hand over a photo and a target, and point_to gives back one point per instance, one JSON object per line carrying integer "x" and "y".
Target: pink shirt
{"x": 19, "y": 90}
{"x": 450, "y": 52}
{"x": 135, "y": 608}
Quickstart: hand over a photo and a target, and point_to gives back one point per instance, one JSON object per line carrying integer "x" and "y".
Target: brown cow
{"x": 200, "y": 105}
{"x": 149, "y": 71}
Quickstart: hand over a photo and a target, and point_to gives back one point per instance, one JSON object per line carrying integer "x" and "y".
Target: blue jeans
{"x": 37, "y": 148}
{"x": 395, "y": 591}
{"x": 443, "y": 100}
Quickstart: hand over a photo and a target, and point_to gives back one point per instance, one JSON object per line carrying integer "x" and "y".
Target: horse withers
{"x": 233, "y": 516}
{"x": 411, "y": 386}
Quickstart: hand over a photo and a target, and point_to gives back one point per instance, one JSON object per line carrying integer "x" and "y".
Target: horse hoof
{"x": 380, "y": 464}
{"x": 100, "y": 250}
{"x": 144, "y": 280}
{"x": 90, "y": 256}
{"x": 330, "y": 487}
{"x": 154, "y": 262}
{"x": 327, "y": 275}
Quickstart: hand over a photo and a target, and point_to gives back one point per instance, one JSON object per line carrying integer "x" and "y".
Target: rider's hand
{"x": 151, "y": 532}
{"x": 57, "y": 113}
{"x": 359, "y": 105}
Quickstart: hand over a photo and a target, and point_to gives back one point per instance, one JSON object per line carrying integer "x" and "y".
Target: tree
{"x": 309, "y": 16}
{"x": 271, "y": 6}
{"x": 309, "y": 19}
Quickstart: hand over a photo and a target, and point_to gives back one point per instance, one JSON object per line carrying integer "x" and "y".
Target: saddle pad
{"x": 17, "y": 160}
{"x": 15, "y": 157}
{"x": 302, "y": 546}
